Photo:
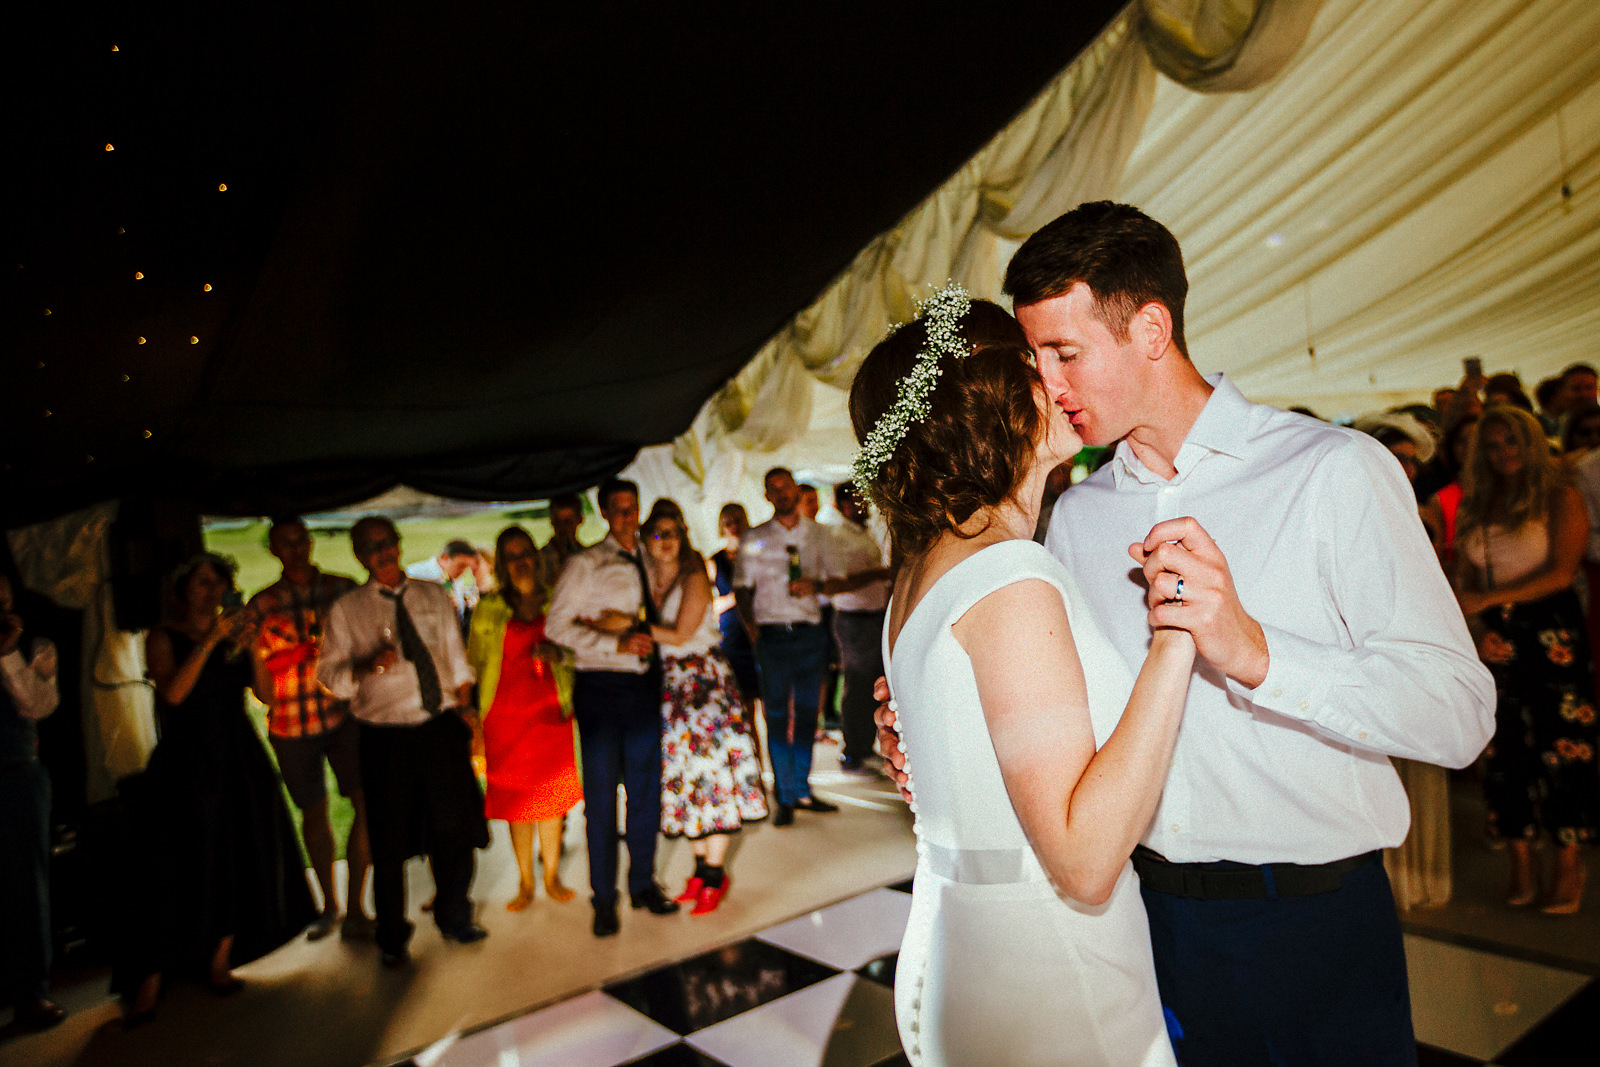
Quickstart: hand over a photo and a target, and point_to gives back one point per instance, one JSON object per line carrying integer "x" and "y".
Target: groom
{"x": 1292, "y": 550}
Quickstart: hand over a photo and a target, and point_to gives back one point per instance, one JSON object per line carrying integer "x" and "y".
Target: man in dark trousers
{"x": 393, "y": 649}
{"x": 617, "y": 702}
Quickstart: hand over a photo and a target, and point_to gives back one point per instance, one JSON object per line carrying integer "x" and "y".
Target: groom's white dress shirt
{"x": 1369, "y": 654}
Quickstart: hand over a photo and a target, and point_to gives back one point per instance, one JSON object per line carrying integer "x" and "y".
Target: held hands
{"x": 1474, "y": 602}
{"x": 1206, "y": 603}
{"x": 635, "y": 644}
{"x": 889, "y": 739}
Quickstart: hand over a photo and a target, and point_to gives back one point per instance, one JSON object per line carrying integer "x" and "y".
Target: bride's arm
{"x": 1083, "y": 810}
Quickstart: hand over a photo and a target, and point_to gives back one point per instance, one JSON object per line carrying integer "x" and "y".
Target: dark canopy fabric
{"x": 280, "y": 256}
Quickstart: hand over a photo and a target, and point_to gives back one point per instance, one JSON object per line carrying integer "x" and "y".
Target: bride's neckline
{"x": 927, "y": 591}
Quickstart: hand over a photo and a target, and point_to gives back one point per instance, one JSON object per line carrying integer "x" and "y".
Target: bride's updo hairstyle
{"x": 974, "y": 446}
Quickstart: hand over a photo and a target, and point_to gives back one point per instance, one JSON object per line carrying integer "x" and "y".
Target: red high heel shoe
{"x": 711, "y": 896}
{"x": 690, "y": 891}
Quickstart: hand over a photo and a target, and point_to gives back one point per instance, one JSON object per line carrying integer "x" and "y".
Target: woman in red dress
{"x": 527, "y": 738}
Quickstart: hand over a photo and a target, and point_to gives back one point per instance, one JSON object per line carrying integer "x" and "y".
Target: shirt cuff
{"x": 1297, "y": 681}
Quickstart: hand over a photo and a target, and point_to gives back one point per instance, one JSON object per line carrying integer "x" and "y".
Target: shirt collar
{"x": 1221, "y": 427}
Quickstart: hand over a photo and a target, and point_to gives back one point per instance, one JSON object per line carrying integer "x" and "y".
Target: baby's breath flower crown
{"x": 941, "y": 313}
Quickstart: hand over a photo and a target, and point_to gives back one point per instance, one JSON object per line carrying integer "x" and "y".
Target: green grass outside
{"x": 420, "y": 539}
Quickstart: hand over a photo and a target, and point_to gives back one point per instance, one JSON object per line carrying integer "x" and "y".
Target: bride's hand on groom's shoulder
{"x": 889, "y": 739}
{"x": 1189, "y": 587}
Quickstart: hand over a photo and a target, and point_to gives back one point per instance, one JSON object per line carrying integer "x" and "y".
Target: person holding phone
{"x": 225, "y": 883}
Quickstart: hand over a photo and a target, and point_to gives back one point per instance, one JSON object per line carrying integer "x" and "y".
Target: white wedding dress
{"x": 996, "y": 968}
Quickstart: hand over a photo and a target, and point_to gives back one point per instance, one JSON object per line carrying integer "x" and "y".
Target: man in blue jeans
{"x": 780, "y": 568}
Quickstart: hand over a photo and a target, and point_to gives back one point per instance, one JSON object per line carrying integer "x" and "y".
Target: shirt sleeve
{"x": 1407, "y": 680}
{"x": 455, "y": 649}
{"x": 335, "y": 667}
{"x": 34, "y": 694}
{"x": 570, "y": 601}
{"x": 742, "y": 578}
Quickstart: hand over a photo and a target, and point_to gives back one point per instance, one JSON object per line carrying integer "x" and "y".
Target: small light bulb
{"x": 194, "y": 340}
{"x": 110, "y": 147}
{"x": 124, "y": 377}
{"x": 88, "y": 459}
{"x": 222, "y": 187}
{"x": 47, "y": 311}
{"x": 114, "y": 48}
{"x": 206, "y": 288}
{"x": 147, "y": 433}
{"x": 47, "y": 413}
{"x": 141, "y": 340}
{"x": 138, "y": 275}
{"x": 121, "y": 230}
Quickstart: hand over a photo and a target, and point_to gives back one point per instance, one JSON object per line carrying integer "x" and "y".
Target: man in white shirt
{"x": 393, "y": 648}
{"x": 616, "y": 699}
{"x": 859, "y": 584}
{"x": 450, "y": 569}
{"x": 1329, "y": 639}
{"x": 27, "y": 694}
{"x": 780, "y": 569}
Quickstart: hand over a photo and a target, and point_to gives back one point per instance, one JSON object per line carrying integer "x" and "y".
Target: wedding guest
{"x": 223, "y": 881}
{"x": 566, "y": 515}
{"x": 307, "y": 728}
{"x": 711, "y": 776}
{"x": 858, "y": 582}
{"x": 527, "y": 736}
{"x": 734, "y": 524}
{"x": 451, "y": 568}
{"x": 27, "y": 694}
{"x": 393, "y": 649}
{"x": 617, "y": 704}
{"x": 1522, "y": 536}
{"x": 781, "y": 565}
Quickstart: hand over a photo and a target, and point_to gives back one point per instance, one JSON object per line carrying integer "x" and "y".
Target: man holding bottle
{"x": 779, "y": 571}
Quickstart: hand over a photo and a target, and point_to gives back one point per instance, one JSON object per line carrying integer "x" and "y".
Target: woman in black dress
{"x": 226, "y": 882}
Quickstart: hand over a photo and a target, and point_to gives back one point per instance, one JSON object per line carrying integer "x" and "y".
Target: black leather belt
{"x": 1240, "y": 881}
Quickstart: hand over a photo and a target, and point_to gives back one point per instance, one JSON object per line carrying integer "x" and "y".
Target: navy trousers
{"x": 860, "y": 637}
{"x": 619, "y": 730}
{"x": 24, "y": 882}
{"x": 791, "y": 663}
{"x": 1288, "y": 981}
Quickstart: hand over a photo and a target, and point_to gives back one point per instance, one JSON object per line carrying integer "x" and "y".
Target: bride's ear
{"x": 1151, "y": 329}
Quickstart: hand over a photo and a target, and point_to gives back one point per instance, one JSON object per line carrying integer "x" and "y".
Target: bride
{"x": 1034, "y": 772}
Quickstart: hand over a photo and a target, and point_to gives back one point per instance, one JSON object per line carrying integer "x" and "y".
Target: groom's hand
{"x": 1209, "y": 607}
{"x": 889, "y": 739}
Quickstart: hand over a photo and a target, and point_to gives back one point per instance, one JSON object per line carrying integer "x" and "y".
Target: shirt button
{"x": 1168, "y": 490}
{"x": 1277, "y": 691}
{"x": 1361, "y": 735}
{"x": 1176, "y": 828}
{"x": 1305, "y": 705}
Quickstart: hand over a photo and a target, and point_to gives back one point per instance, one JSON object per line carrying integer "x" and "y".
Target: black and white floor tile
{"x": 818, "y": 990}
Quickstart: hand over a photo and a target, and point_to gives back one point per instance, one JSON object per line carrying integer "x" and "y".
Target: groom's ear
{"x": 1151, "y": 328}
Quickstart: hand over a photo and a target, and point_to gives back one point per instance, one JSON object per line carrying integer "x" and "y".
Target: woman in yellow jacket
{"x": 527, "y": 737}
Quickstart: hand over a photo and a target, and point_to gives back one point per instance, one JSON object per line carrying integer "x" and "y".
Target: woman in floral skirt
{"x": 711, "y": 774}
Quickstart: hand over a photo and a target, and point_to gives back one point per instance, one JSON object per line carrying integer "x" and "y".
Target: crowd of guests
{"x": 669, "y": 670}
{"x": 442, "y": 695}
{"x": 1510, "y": 495}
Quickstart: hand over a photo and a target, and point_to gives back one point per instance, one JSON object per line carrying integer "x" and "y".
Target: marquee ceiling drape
{"x": 1366, "y": 192}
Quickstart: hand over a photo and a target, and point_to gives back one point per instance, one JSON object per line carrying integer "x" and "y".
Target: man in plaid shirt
{"x": 306, "y": 725}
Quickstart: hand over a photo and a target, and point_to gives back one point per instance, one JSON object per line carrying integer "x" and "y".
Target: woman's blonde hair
{"x": 1491, "y": 500}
